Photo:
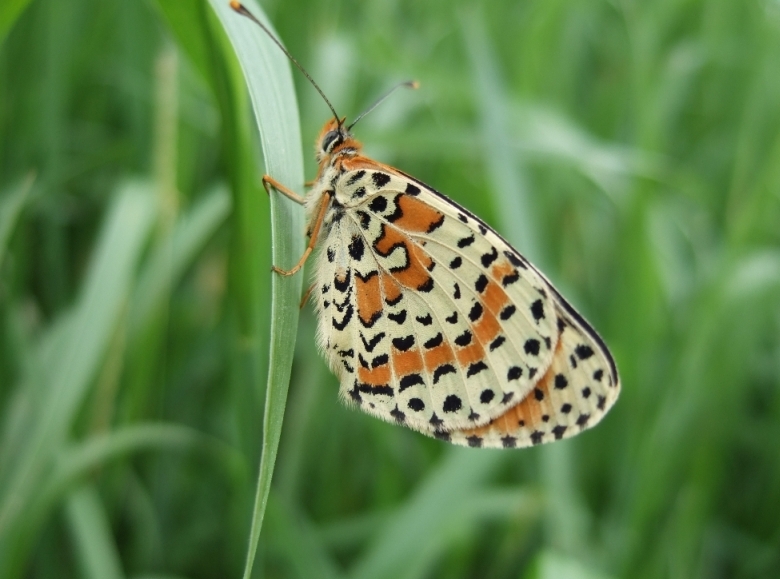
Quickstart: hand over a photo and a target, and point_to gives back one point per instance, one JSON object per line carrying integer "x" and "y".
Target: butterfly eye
{"x": 331, "y": 139}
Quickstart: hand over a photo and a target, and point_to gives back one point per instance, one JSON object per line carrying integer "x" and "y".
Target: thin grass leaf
{"x": 95, "y": 547}
{"x": 10, "y": 11}
{"x": 273, "y": 97}
{"x": 421, "y": 528}
{"x": 69, "y": 357}
{"x": 175, "y": 253}
{"x": 11, "y": 205}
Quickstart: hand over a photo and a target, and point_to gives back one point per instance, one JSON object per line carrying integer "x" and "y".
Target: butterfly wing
{"x": 452, "y": 328}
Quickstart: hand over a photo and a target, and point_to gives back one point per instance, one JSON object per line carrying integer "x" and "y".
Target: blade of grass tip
{"x": 95, "y": 547}
{"x": 271, "y": 89}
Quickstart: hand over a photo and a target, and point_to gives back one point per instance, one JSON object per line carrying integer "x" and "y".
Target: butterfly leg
{"x": 315, "y": 232}
{"x": 305, "y": 297}
{"x": 269, "y": 182}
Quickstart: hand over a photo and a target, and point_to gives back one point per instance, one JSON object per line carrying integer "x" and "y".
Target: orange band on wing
{"x": 494, "y": 297}
{"x": 416, "y": 216}
{"x": 391, "y": 290}
{"x": 441, "y": 354}
{"x": 487, "y": 328}
{"x": 369, "y": 299}
{"x": 405, "y": 363}
{"x": 378, "y": 376}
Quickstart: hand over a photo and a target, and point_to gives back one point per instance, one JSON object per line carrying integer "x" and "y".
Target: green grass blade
{"x": 175, "y": 253}
{"x": 420, "y": 529}
{"x": 11, "y": 205}
{"x": 271, "y": 89}
{"x": 95, "y": 548}
{"x": 10, "y": 10}
{"x": 70, "y": 354}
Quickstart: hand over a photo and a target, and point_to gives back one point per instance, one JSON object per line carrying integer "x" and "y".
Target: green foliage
{"x": 630, "y": 148}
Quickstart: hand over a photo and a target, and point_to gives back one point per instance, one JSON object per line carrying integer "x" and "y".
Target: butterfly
{"x": 430, "y": 319}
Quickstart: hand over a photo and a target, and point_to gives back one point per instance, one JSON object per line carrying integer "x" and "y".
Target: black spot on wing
{"x": 452, "y": 403}
{"x": 412, "y": 189}
{"x": 380, "y": 179}
{"x": 532, "y": 346}
{"x": 466, "y": 241}
{"x": 497, "y": 342}
{"x": 476, "y": 368}
{"x": 510, "y": 278}
{"x": 403, "y": 344}
{"x": 514, "y": 260}
{"x": 436, "y": 224}
{"x": 356, "y": 247}
{"x": 456, "y": 262}
{"x": 344, "y": 321}
{"x": 583, "y": 351}
{"x": 378, "y": 204}
{"x": 426, "y": 286}
{"x": 441, "y": 371}
{"x": 481, "y": 283}
{"x": 425, "y": 320}
{"x": 410, "y": 380}
{"x": 433, "y": 342}
{"x": 398, "y": 318}
{"x": 489, "y": 257}
{"x": 537, "y": 310}
{"x": 384, "y": 390}
{"x": 365, "y": 219}
{"x": 355, "y": 177}
{"x": 380, "y": 360}
{"x": 398, "y": 415}
{"x": 464, "y": 339}
{"x": 342, "y": 284}
{"x": 371, "y": 344}
{"x": 416, "y": 404}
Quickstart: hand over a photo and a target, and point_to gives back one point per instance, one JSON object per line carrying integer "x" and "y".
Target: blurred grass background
{"x": 631, "y": 149}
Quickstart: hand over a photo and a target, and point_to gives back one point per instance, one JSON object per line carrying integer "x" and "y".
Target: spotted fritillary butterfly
{"x": 431, "y": 320}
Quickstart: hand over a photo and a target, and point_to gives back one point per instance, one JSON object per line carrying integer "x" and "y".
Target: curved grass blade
{"x": 273, "y": 98}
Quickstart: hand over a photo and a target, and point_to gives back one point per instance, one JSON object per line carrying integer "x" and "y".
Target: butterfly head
{"x": 335, "y": 138}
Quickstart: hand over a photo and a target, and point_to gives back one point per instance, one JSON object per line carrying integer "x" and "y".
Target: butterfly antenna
{"x": 241, "y": 9}
{"x": 413, "y": 84}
